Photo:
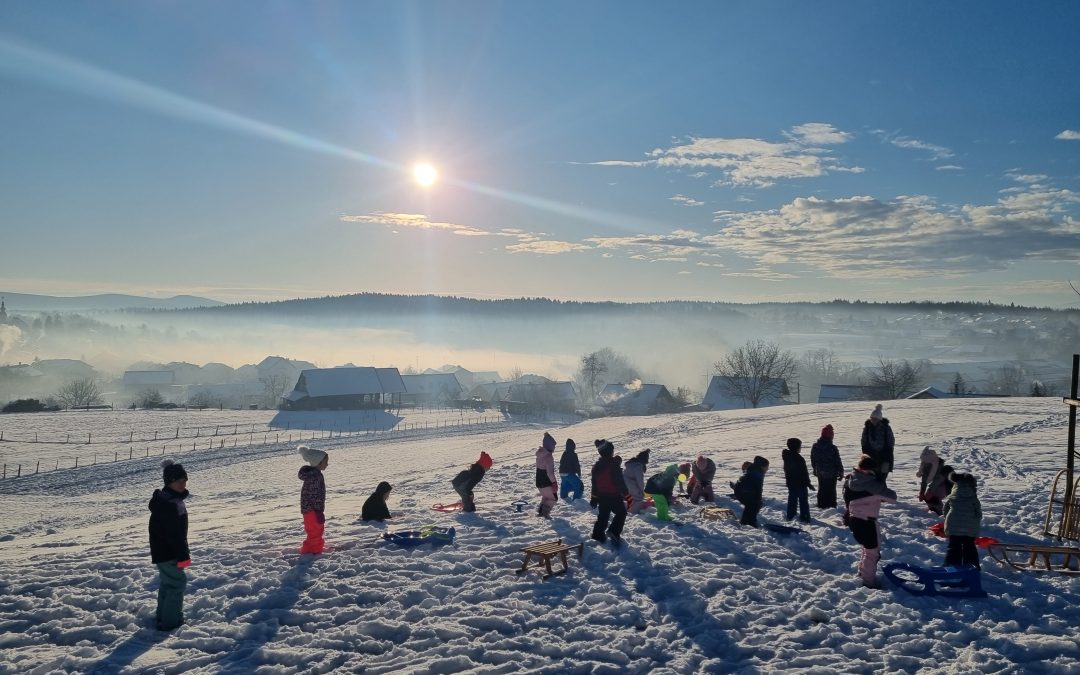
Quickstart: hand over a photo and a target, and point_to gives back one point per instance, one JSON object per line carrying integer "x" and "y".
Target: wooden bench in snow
{"x": 1040, "y": 558}
{"x": 545, "y": 551}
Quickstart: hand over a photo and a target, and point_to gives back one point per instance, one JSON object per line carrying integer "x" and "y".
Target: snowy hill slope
{"x": 77, "y": 589}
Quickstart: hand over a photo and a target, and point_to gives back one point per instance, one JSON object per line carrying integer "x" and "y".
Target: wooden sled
{"x": 545, "y": 551}
{"x": 1037, "y": 557}
{"x": 716, "y": 513}
{"x": 961, "y": 581}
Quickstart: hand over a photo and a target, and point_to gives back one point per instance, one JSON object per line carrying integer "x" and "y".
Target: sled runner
{"x": 545, "y": 551}
{"x": 447, "y": 508}
{"x": 1037, "y": 557}
{"x": 961, "y": 581}
{"x": 780, "y": 529}
{"x": 425, "y": 535}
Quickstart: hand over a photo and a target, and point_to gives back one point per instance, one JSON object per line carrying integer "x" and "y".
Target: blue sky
{"x": 625, "y": 151}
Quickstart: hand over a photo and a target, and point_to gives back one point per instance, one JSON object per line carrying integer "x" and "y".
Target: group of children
{"x": 617, "y": 490}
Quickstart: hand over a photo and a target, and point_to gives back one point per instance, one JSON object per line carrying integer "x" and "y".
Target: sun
{"x": 425, "y": 174}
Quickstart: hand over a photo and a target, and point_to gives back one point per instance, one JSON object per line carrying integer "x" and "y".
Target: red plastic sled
{"x": 447, "y": 508}
{"x": 981, "y": 542}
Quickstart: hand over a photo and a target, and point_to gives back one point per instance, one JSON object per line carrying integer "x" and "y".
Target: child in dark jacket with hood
{"x": 608, "y": 490}
{"x": 375, "y": 507}
{"x": 797, "y": 479}
{"x": 661, "y": 486}
{"x": 571, "y": 486}
{"x": 878, "y": 442}
{"x": 313, "y": 498}
{"x": 466, "y": 481}
{"x": 168, "y": 544}
{"x": 828, "y": 467}
{"x": 545, "y": 476}
{"x": 963, "y": 518}
{"x": 749, "y": 487}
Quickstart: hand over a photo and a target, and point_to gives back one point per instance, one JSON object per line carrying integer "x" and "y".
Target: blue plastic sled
{"x": 962, "y": 581}
{"x": 425, "y": 535}
{"x": 780, "y": 529}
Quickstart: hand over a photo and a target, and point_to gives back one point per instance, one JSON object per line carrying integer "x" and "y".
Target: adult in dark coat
{"x": 466, "y": 481}
{"x": 608, "y": 492}
{"x": 375, "y": 507}
{"x": 878, "y": 442}
{"x": 828, "y": 467}
{"x": 797, "y": 479}
{"x": 749, "y": 487}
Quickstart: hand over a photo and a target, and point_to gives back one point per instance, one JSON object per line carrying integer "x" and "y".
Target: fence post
{"x": 5, "y": 471}
{"x": 131, "y": 452}
{"x": 88, "y": 438}
{"x": 115, "y": 455}
{"x": 76, "y": 461}
{"x": 57, "y": 467}
{"x": 67, "y": 439}
{"x": 19, "y": 472}
{"x": 38, "y": 469}
{"x": 131, "y": 436}
{"x": 95, "y": 459}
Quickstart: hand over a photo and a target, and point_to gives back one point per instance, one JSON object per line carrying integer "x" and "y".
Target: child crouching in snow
{"x": 375, "y": 507}
{"x": 467, "y": 480}
{"x": 168, "y": 544}
{"x": 963, "y": 517}
{"x": 864, "y": 492}
{"x": 313, "y": 498}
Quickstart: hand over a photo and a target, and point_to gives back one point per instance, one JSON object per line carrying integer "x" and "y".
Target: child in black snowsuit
{"x": 748, "y": 490}
{"x": 797, "y": 479}
{"x": 570, "y": 485}
{"x": 375, "y": 507}
{"x": 168, "y": 544}
{"x": 608, "y": 492}
{"x": 827, "y": 466}
{"x": 465, "y": 481}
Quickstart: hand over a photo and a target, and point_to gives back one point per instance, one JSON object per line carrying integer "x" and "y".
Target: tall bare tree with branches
{"x": 756, "y": 371}
{"x": 79, "y": 394}
{"x": 895, "y": 379}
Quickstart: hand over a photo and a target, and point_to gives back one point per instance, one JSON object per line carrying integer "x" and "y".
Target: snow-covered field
{"x": 77, "y": 589}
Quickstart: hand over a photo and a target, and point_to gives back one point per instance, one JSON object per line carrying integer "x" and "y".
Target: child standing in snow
{"x": 168, "y": 544}
{"x": 878, "y": 442}
{"x": 466, "y": 481}
{"x": 660, "y": 487}
{"x": 570, "y": 473}
{"x": 704, "y": 471}
{"x": 797, "y": 479}
{"x": 828, "y": 467}
{"x": 545, "y": 476}
{"x": 634, "y": 475}
{"x": 864, "y": 492}
{"x": 375, "y": 507}
{"x": 963, "y": 518}
{"x": 608, "y": 490}
{"x": 313, "y": 498}
{"x": 934, "y": 486}
{"x": 749, "y": 487}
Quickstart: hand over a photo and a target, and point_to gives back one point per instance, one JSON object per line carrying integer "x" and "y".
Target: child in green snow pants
{"x": 170, "y": 597}
{"x": 660, "y": 501}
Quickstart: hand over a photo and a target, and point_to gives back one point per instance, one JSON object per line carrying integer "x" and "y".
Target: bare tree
{"x": 593, "y": 368}
{"x": 756, "y": 371}
{"x": 79, "y": 394}
{"x": 959, "y": 385}
{"x": 895, "y": 379}
{"x": 149, "y": 398}
{"x": 516, "y": 374}
{"x": 1009, "y": 380}
{"x": 273, "y": 389}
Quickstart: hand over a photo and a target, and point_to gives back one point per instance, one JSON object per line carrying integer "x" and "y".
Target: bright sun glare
{"x": 425, "y": 174}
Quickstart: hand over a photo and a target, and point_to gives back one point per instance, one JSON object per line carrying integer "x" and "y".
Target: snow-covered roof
{"x": 317, "y": 382}
{"x": 718, "y": 398}
{"x": 432, "y": 383}
{"x": 148, "y": 377}
{"x": 639, "y": 400}
{"x": 836, "y": 393}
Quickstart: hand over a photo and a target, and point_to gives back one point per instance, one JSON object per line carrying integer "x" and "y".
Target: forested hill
{"x": 409, "y": 305}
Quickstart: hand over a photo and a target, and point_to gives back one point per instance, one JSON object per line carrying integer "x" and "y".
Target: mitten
{"x": 320, "y": 517}
{"x": 593, "y": 503}
{"x": 184, "y": 563}
{"x": 922, "y": 496}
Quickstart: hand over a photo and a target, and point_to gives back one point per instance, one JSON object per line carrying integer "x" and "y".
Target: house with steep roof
{"x": 721, "y": 394}
{"x": 351, "y": 388}
{"x": 431, "y": 388}
{"x": 636, "y": 399}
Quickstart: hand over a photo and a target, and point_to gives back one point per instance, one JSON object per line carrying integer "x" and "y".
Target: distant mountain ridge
{"x": 103, "y": 301}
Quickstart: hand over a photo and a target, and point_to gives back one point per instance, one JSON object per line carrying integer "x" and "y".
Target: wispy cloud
{"x": 752, "y": 162}
{"x": 546, "y": 247}
{"x": 1068, "y": 135}
{"x": 949, "y": 167}
{"x": 1027, "y": 178}
{"x": 937, "y": 152}
{"x": 686, "y": 201}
